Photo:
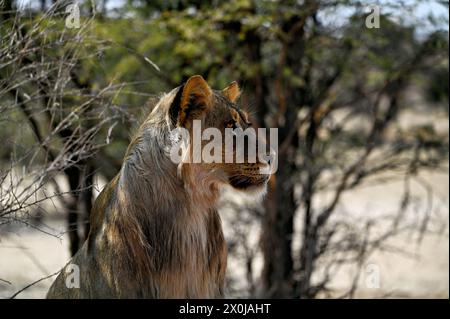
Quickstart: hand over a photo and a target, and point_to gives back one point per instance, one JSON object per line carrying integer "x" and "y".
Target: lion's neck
{"x": 164, "y": 222}
{"x": 150, "y": 178}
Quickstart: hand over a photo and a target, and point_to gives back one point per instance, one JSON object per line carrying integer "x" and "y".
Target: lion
{"x": 155, "y": 230}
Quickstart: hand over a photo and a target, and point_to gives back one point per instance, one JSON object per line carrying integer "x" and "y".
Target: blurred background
{"x": 359, "y": 206}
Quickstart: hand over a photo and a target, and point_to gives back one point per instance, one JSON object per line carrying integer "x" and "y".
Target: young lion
{"x": 155, "y": 231}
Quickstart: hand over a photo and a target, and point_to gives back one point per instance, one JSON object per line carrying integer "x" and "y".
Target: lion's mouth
{"x": 244, "y": 182}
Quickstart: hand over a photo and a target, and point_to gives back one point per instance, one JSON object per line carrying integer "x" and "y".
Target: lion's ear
{"x": 232, "y": 92}
{"x": 192, "y": 99}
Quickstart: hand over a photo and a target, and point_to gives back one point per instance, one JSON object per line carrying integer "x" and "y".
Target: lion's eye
{"x": 231, "y": 124}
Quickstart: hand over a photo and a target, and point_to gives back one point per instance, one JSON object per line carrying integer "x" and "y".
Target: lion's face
{"x": 248, "y": 171}
{"x": 230, "y": 146}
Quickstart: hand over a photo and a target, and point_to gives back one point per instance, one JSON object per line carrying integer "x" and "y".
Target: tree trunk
{"x": 73, "y": 173}
{"x": 86, "y": 198}
{"x": 277, "y": 235}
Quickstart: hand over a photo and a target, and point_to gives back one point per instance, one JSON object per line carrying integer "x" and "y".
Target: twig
{"x": 33, "y": 283}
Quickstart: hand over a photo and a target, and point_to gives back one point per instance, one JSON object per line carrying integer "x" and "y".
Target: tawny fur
{"x": 155, "y": 231}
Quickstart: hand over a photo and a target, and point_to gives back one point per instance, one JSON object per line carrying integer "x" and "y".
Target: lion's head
{"x": 222, "y": 145}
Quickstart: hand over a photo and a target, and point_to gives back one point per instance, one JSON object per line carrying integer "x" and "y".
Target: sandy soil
{"x": 28, "y": 255}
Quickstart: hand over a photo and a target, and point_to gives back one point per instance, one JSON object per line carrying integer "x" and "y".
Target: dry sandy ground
{"x": 423, "y": 269}
{"x": 27, "y": 255}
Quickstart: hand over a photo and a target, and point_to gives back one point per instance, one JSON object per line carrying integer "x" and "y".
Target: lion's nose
{"x": 269, "y": 158}
{"x": 272, "y": 153}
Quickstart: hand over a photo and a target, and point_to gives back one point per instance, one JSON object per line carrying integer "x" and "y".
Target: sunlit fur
{"x": 155, "y": 231}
